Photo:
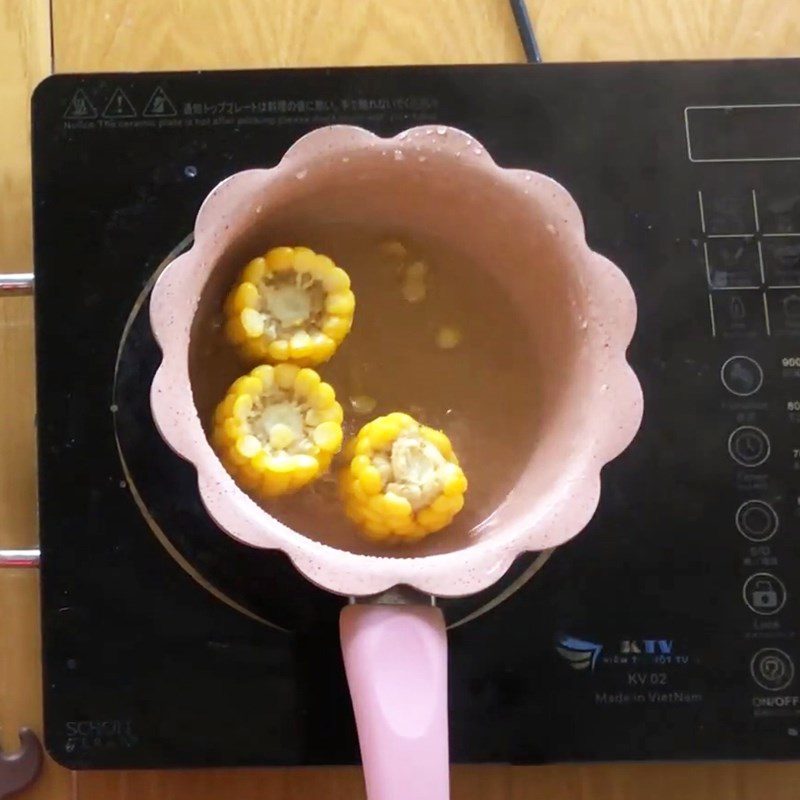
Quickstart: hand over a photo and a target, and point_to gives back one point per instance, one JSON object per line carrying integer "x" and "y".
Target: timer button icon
{"x": 749, "y": 446}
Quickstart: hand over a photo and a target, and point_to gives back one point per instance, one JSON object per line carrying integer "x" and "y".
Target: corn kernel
{"x": 306, "y": 381}
{"x": 440, "y": 441}
{"x": 301, "y": 345}
{"x": 248, "y": 446}
{"x": 444, "y": 504}
{"x": 306, "y": 467}
{"x": 430, "y": 519}
{"x": 224, "y": 409}
{"x": 414, "y": 291}
{"x": 340, "y": 303}
{"x": 236, "y": 457}
{"x": 279, "y": 259}
{"x": 285, "y": 375}
{"x": 333, "y": 413}
{"x": 336, "y": 280}
{"x": 336, "y": 328}
{"x": 396, "y": 506}
{"x": 408, "y": 528}
{"x": 359, "y": 464}
{"x": 280, "y": 436}
{"x": 256, "y": 349}
{"x": 231, "y": 427}
{"x": 358, "y": 494}
{"x": 376, "y": 530}
{"x": 370, "y": 480}
{"x": 255, "y": 271}
{"x": 276, "y": 483}
{"x": 303, "y": 252}
{"x": 245, "y": 296}
{"x": 280, "y": 463}
{"x": 328, "y": 436}
{"x": 417, "y": 271}
{"x": 377, "y": 504}
{"x": 249, "y": 385}
{"x": 384, "y": 434}
{"x": 364, "y": 446}
{"x": 323, "y": 346}
{"x": 456, "y": 504}
{"x": 242, "y": 406}
{"x": 355, "y": 513}
{"x": 252, "y": 322}
{"x": 363, "y": 404}
{"x": 261, "y": 461}
{"x": 448, "y": 337}
{"x": 324, "y": 265}
{"x": 454, "y": 482}
{"x": 393, "y": 249}
{"x": 279, "y": 350}
{"x": 305, "y": 260}
{"x": 234, "y": 331}
{"x": 400, "y": 419}
{"x": 322, "y": 396}
{"x": 266, "y": 374}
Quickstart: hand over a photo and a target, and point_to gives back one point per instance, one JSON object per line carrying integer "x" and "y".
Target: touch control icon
{"x": 742, "y": 376}
{"x": 749, "y": 446}
{"x": 756, "y": 520}
{"x": 764, "y": 593}
{"x": 772, "y": 669}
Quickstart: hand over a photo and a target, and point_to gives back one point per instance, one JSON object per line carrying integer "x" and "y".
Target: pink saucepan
{"x": 526, "y": 231}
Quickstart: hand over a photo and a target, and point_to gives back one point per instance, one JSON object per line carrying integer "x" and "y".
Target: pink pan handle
{"x": 396, "y": 662}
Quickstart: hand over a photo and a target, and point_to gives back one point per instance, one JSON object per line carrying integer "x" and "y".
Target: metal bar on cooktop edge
{"x": 19, "y": 558}
{"x": 16, "y": 283}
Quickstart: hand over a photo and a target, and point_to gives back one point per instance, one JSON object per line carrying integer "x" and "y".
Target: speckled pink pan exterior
{"x": 522, "y": 227}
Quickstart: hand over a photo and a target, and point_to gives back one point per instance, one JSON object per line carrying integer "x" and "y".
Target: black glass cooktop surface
{"x": 668, "y": 630}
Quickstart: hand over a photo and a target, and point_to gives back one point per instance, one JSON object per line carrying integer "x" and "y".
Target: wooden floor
{"x": 42, "y": 36}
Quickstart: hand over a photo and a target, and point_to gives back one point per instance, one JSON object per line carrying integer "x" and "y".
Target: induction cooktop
{"x": 667, "y": 630}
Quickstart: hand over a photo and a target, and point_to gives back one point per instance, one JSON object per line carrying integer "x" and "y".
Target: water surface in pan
{"x": 434, "y": 336}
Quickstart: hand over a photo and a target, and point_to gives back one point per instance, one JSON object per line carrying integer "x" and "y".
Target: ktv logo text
{"x": 587, "y": 654}
{"x": 651, "y": 647}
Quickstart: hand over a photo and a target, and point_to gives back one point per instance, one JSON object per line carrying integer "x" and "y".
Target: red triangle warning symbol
{"x": 80, "y": 107}
{"x": 159, "y": 105}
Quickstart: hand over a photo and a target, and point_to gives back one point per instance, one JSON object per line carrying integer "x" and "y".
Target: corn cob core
{"x": 402, "y": 481}
{"x": 277, "y": 429}
{"x": 290, "y": 305}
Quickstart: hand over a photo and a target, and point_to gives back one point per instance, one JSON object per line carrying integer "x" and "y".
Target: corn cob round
{"x": 402, "y": 480}
{"x": 291, "y": 305}
{"x": 277, "y": 429}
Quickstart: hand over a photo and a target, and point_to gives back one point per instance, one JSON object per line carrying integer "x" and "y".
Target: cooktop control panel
{"x": 745, "y": 159}
{"x": 668, "y": 629}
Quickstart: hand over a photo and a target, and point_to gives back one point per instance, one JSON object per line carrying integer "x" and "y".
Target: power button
{"x": 772, "y": 669}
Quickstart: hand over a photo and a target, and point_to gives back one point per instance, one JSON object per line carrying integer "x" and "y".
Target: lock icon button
{"x": 764, "y": 593}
